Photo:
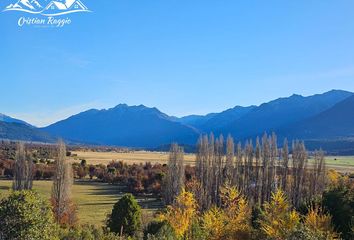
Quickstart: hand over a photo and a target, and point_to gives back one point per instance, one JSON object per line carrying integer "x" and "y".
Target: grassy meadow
{"x": 339, "y": 163}
{"x": 94, "y": 200}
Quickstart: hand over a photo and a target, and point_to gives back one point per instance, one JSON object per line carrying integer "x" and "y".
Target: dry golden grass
{"x": 130, "y": 157}
{"x": 341, "y": 164}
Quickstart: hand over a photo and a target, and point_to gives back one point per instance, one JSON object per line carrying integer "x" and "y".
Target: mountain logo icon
{"x": 53, "y": 8}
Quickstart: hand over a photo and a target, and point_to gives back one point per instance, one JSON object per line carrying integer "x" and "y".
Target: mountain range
{"x": 15, "y": 129}
{"x": 135, "y": 126}
{"x": 326, "y": 117}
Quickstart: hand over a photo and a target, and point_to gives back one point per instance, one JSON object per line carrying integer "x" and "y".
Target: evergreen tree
{"x": 125, "y": 218}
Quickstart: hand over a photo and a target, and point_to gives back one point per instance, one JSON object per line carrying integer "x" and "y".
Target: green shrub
{"x": 87, "y": 232}
{"x": 153, "y": 228}
{"x": 339, "y": 202}
{"x": 25, "y": 215}
{"x": 196, "y": 231}
{"x": 165, "y": 233}
{"x": 303, "y": 233}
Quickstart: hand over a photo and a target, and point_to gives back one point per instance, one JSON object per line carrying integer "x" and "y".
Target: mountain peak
{"x": 123, "y": 125}
{"x": 121, "y": 105}
{"x": 296, "y": 96}
{"x": 338, "y": 91}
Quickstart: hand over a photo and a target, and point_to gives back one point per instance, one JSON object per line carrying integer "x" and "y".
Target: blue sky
{"x": 180, "y": 56}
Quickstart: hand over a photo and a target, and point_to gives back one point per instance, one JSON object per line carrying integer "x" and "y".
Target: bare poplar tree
{"x": 23, "y": 169}
{"x": 63, "y": 207}
{"x": 257, "y": 169}
{"x": 175, "y": 173}
{"x": 272, "y": 181}
{"x": 285, "y": 167}
{"x": 218, "y": 168}
{"x": 318, "y": 174}
{"x": 203, "y": 172}
{"x": 239, "y": 167}
{"x": 265, "y": 169}
{"x": 299, "y": 160}
{"x": 248, "y": 166}
{"x": 210, "y": 169}
{"x": 199, "y": 171}
{"x": 230, "y": 155}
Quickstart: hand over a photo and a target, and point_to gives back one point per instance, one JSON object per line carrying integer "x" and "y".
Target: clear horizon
{"x": 181, "y": 57}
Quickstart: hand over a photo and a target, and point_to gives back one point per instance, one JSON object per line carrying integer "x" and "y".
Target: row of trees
{"x": 137, "y": 178}
{"x": 329, "y": 217}
{"x": 234, "y": 219}
{"x": 256, "y": 170}
{"x": 273, "y": 183}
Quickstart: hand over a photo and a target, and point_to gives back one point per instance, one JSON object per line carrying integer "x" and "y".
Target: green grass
{"x": 340, "y": 160}
{"x": 344, "y": 164}
{"x": 94, "y": 200}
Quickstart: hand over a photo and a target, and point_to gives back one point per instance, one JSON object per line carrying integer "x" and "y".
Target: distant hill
{"x": 225, "y": 118}
{"x": 334, "y": 123}
{"x": 196, "y": 120}
{"x": 22, "y": 132}
{"x": 282, "y": 112}
{"x": 135, "y": 126}
{"x": 4, "y": 118}
{"x": 212, "y": 121}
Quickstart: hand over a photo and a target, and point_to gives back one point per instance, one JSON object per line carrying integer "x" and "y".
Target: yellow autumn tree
{"x": 333, "y": 178}
{"x": 214, "y": 223}
{"x": 238, "y": 214}
{"x": 232, "y": 221}
{"x": 278, "y": 221}
{"x": 320, "y": 223}
{"x": 181, "y": 213}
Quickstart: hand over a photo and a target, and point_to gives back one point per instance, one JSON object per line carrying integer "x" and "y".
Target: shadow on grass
{"x": 5, "y": 188}
{"x": 151, "y": 203}
{"x": 101, "y": 189}
{"x": 96, "y": 204}
{"x": 116, "y": 191}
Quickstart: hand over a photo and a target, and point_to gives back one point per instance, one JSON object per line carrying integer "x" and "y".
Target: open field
{"x": 130, "y": 157}
{"x": 340, "y": 163}
{"x": 95, "y": 200}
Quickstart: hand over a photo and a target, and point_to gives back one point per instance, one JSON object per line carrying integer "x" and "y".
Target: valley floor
{"x": 94, "y": 199}
{"x": 339, "y": 163}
